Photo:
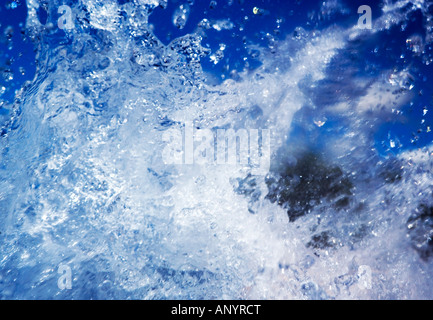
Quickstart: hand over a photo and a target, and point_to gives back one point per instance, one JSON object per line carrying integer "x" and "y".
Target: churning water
{"x": 102, "y": 181}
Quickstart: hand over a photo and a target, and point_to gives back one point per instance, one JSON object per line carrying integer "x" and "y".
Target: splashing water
{"x": 84, "y": 184}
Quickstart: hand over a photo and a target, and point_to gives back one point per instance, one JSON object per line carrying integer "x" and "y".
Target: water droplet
{"x": 300, "y": 33}
{"x": 320, "y": 122}
{"x": 9, "y": 32}
{"x": 8, "y": 75}
{"x": 181, "y": 15}
{"x": 219, "y": 54}
{"x": 415, "y": 44}
{"x": 213, "y": 4}
{"x": 258, "y": 11}
{"x": 223, "y": 25}
{"x": 205, "y": 24}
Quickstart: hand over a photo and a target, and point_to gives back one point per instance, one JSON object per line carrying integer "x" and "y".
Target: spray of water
{"x": 83, "y": 182}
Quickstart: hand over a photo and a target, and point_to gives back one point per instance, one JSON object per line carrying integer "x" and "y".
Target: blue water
{"x": 85, "y": 185}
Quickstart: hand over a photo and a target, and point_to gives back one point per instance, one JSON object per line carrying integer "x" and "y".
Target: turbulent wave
{"x": 83, "y": 182}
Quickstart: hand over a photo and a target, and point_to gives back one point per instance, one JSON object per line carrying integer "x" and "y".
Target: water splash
{"x": 83, "y": 182}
